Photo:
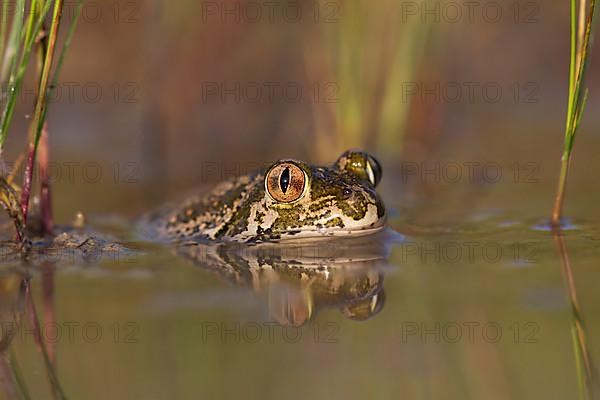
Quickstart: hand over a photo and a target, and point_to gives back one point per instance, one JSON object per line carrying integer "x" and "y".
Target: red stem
{"x": 47, "y": 219}
{"x": 45, "y": 194}
{"x": 27, "y": 182}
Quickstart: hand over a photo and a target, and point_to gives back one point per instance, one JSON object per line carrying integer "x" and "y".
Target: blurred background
{"x": 464, "y": 105}
{"x": 169, "y": 97}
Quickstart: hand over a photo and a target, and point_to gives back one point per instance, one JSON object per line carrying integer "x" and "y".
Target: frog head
{"x": 302, "y": 200}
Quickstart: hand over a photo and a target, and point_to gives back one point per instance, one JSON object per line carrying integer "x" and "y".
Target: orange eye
{"x": 285, "y": 182}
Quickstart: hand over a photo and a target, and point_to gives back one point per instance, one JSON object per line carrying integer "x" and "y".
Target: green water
{"x": 479, "y": 312}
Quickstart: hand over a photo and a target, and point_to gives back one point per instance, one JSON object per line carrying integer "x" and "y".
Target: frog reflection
{"x": 302, "y": 279}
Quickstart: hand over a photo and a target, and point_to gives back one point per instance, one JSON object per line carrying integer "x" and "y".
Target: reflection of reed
{"x": 11, "y": 379}
{"x": 12, "y": 292}
{"x": 48, "y": 304}
{"x": 57, "y": 391}
{"x": 16, "y": 301}
{"x": 580, "y": 343}
{"x": 7, "y": 380}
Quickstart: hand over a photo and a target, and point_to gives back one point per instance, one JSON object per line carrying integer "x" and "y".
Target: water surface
{"x": 478, "y": 311}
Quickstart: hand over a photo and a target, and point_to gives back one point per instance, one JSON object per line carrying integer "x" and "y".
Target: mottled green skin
{"x": 336, "y": 203}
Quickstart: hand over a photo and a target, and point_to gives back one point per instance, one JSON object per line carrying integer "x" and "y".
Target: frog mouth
{"x": 338, "y": 232}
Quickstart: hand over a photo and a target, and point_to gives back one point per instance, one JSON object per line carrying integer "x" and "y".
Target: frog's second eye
{"x": 361, "y": 164}
{"x": 285, "y": 182}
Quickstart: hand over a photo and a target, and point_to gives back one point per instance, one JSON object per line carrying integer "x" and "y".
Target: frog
{"x": 288, "y": 201}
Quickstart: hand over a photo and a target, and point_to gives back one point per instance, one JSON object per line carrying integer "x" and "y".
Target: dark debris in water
{"x": 69, "y": 245}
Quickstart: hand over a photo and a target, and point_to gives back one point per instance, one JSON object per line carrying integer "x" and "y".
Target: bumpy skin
{"x": 337, "y": 202}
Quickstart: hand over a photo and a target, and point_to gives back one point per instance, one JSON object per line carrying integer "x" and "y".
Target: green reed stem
{"x": 24, "y": 41}
{"x": 10, "y": 52}
{"x": 3, "y": 25}
{"x": 35, "y": 128}
{"x": 580, "y": 46}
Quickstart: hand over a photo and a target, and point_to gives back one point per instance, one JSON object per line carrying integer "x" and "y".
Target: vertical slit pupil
{"x": 284, "y": 180}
